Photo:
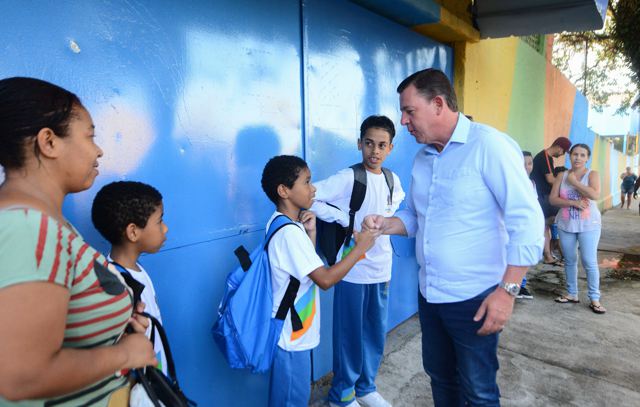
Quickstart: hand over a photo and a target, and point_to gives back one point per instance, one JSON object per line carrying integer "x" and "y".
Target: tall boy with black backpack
{"x": 360, "y": 299}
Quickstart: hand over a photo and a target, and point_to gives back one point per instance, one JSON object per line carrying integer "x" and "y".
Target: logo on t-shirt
{"x": 306, "y": 307}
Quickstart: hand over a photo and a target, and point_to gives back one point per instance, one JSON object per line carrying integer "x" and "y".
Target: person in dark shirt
{"x": 636, "y": 185}
{"x": 626, "y": 188}
{"x": 543, "y": 176}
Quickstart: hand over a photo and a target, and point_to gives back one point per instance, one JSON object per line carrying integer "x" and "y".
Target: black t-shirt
{"x": 541, "y": 167}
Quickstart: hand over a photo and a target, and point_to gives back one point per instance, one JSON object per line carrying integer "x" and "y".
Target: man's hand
{"x": 497, "y": 307}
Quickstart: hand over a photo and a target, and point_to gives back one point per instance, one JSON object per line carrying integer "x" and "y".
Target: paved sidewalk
{"x": 550, "y": 354}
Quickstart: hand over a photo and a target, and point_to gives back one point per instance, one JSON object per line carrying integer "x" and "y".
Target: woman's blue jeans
{"x": 588, "y": 245}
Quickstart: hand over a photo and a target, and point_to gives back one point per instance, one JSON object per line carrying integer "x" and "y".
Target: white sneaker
{"x": 373, "y": 400}
{"x": 352, "y": 404}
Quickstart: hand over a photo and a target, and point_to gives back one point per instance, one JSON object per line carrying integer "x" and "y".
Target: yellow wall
{"x": 487, "y": 80}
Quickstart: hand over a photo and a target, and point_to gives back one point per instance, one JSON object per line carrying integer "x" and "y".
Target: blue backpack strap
{"x": 290, "y": 294}
{"x": 277, "y": 223}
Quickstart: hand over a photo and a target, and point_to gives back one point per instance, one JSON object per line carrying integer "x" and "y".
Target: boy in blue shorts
{"x": 287, "y": 182}
{"x": 360, "y": 299}
{"x": 129, "y": 215}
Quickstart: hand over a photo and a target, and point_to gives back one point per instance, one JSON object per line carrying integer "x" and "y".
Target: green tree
{"x": 626, "y": 36}
{"x": 605, "y": 64}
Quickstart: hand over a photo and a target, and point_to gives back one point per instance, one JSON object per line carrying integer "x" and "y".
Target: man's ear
{"x": 390, "y": 147}
{"x": 47, "y": 142}
{"x": 440, "y": 102}
{"x": 283, "y": 191}
{"x": 359, "y": 144}
{"x": 132, "y": 233}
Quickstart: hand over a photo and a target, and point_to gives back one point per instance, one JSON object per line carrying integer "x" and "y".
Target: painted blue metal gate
{"x": 193, "y": 98}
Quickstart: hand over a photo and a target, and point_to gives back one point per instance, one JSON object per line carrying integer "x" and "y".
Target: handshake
{"x": 374, "y": 223}
{"x": 372, "y": 228}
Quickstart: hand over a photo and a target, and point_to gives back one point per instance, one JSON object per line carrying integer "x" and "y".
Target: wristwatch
{"x": 512, "y": 288}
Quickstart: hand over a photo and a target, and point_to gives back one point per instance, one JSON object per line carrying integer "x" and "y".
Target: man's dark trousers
{"x": 461, "y": 364}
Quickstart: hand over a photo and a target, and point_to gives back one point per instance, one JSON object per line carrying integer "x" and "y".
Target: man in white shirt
{"x": 474, "y": 215}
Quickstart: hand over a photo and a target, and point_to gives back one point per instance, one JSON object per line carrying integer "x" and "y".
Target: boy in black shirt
{"x": 542, "y": 176}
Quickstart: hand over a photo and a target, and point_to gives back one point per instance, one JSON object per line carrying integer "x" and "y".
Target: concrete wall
{"x": 509, "y": 85}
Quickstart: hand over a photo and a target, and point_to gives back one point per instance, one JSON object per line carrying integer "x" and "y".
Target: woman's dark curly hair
{"x": 121, "y": 203}
{"x": 281, "y": 170}
{"x": 28, "y": 105}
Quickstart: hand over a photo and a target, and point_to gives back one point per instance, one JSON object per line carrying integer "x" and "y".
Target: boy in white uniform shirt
{"x": 129, "y": 215}
{"x": 287, "y": 182}
{"x": 360, "y": 299}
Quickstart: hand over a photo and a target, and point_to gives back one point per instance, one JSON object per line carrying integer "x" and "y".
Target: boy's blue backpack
{"x": 245, "y": 332}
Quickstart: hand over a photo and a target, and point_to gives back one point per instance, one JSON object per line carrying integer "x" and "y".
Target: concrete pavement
{"x": 550, "y": 354}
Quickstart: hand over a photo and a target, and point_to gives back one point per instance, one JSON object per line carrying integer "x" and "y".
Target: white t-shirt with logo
{"x": 375, "y": 267}
{"x": 291, "y": 253}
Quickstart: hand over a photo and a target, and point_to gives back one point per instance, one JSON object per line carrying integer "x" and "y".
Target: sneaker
{"x": 354, "y": 403}
{"x": 524, "y": 293}
{"x": 373, "y": 400}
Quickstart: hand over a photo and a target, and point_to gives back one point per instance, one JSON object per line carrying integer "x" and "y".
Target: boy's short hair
{"x": 121, "y": 203}
{"x": 562, "y": 142}
{"x": 281, "y": 169}
{"x": 379, "y": 122}
{"x": 526, "y": 153}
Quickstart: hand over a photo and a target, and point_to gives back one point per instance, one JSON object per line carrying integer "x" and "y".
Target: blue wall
{"x": 579, "y": 132}
{"x": 354, "y": 61}
{"x": 193, "y": 98}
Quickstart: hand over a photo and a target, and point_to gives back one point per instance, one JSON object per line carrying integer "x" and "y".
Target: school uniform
{"x": 291, "y": 253}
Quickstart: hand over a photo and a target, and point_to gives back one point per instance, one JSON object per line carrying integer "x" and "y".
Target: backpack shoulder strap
{"x": 388, "y": 176}
{"x": 357, "y": 197}
{"x": 290, "y": 294}
{"x": 287, "y": 304}
{"x": 278, "y": 223}
{"x": 136, "y": 286}
{"x": 359, "y": 187}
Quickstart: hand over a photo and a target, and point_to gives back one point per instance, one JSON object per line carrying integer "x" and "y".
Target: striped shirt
{"x": 36, "y": 247}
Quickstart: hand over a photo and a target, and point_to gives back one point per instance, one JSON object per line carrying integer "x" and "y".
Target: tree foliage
{"x": 626, "y": 36}
{"x": 605, "y": 64}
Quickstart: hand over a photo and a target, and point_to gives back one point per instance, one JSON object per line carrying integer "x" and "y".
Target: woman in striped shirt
{"x": 63, "y": 309}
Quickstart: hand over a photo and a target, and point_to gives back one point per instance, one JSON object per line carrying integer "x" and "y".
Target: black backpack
{"x": 162, "y": 390}
{"x": 330, "y": 236}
